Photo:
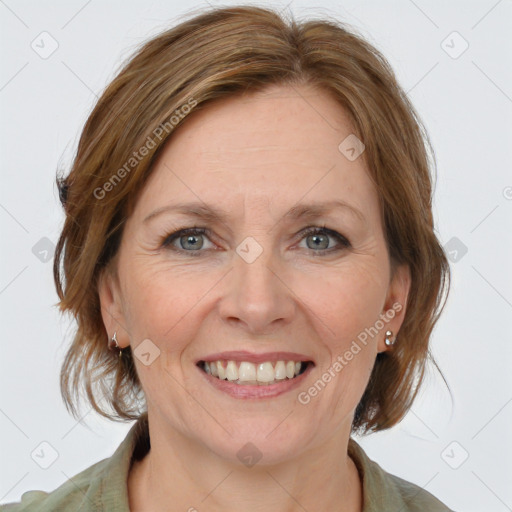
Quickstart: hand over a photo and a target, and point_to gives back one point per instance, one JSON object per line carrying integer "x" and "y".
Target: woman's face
{"x": 255, "y": 282}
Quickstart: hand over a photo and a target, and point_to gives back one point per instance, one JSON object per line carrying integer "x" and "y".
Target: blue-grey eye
{"x": 320, "y": 238}
{"x": 194, "y": 242}
{"x": 319, "y": 241}
{"x": 186, "y": 240}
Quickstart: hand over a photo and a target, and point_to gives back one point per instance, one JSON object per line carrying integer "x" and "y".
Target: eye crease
{"x": 312, "y": 231}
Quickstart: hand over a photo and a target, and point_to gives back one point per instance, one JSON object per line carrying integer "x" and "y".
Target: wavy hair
{"x": 213, "y": 55}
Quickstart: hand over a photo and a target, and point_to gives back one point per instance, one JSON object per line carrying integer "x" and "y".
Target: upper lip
{"x": 251, "y": 357}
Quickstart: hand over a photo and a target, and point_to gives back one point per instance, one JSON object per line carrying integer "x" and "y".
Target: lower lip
{"x": 248, "y": 391}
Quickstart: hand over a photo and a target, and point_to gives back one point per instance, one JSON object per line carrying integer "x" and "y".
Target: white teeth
{"x": 280, "y": 370}
{"x": 249, "y": 373}
{"x": 265, "y": 372}
{"x": 231, "y": 371}
{"x": 221, "y": 371}
{"x": 290, "y": 369}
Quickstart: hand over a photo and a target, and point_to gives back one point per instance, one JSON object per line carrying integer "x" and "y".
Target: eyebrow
{"x": 210, "y": 213}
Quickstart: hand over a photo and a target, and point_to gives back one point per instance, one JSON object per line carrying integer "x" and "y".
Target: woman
{"x": 249, "y": 252}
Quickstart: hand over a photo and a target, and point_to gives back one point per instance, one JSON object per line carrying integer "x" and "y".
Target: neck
{"x": 179, "y": 475}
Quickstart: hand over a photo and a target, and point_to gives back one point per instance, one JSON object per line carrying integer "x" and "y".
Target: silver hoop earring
{"x": 113, "y": 344}
{"x": 389, "y": 341}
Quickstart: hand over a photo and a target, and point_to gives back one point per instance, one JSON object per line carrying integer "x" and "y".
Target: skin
{"x": 254, "y": 157}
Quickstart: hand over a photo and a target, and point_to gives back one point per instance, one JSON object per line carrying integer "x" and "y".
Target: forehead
{"x": 276, "y": 147}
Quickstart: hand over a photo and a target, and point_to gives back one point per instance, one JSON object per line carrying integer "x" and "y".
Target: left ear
{"x": 112, "y": 310}
{"x": 395, "y": 305}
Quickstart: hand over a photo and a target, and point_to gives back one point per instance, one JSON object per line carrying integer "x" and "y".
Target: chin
{"x": 264, "y": 444}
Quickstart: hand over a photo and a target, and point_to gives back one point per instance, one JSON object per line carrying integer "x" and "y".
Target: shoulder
{"x": 384, "y": 491}
{"x": 415, "y": 497}
{"x": 29, "y": 498}
{"x": 71, "y": 495}
{"x": 101, "y": 486}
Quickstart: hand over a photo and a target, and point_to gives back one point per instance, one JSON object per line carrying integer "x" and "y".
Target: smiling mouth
{"x": 261, "y": 374}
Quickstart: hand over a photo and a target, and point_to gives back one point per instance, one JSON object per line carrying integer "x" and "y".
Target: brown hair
{"x": 214, "y": 55}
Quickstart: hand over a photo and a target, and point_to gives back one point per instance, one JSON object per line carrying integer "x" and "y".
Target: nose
{"x": 257, "y": 296}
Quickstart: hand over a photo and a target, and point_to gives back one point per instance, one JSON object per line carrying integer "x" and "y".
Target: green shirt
{"x": 103, "y": 486}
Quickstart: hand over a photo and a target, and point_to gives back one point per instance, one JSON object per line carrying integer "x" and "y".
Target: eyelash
{"x": 312, "y": 230}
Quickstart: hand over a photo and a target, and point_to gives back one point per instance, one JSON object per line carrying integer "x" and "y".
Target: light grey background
{"x": 465, "y": 100}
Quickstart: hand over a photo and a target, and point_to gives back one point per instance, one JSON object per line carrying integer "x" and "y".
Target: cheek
{"x": 345, "y": 301}
{"x": 161, "y": 301}
{"x": 350, "y": 308}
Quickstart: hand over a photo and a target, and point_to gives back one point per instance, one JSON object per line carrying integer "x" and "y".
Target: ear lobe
{"x": 396, "y": 302}
{"x": 111, "y": 306}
